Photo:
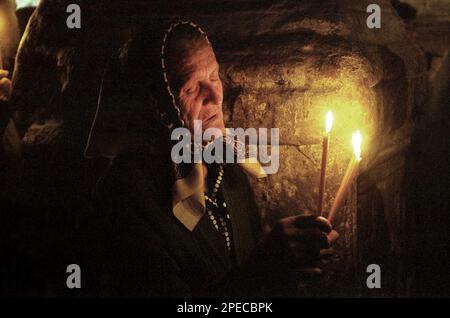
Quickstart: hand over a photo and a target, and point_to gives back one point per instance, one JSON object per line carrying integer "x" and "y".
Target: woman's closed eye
{"x": 191, "y": 90}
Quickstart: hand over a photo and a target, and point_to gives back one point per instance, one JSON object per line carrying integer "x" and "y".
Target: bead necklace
{"x": 220, "y": 217}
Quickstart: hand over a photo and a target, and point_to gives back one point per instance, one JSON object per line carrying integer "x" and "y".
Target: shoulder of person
{"x": 127, "y": 179}
{"x": 235, "y": 174}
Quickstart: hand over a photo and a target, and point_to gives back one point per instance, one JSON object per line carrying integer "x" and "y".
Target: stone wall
{"x": 9, "y": 33}
{"x": 432, "y": 28}
{"x": 432, "y": 22}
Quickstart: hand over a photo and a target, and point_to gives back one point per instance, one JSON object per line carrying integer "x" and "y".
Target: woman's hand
{"x": 301, "y": 241}
{"x": 304, "y": 238}
{"x": 5, "y": 86}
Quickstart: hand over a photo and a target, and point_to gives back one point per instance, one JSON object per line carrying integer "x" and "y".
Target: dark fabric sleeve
{"x": 123, "y": 256}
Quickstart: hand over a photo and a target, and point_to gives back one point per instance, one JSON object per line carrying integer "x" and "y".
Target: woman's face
{"x": 200, "y": 95}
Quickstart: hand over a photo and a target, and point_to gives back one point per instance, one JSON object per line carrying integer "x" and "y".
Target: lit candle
{"x": 349, "y": 177}
{"x": 323, "y": 171}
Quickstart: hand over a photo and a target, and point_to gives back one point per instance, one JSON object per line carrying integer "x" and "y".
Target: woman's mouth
{"x": 210, "y": 119}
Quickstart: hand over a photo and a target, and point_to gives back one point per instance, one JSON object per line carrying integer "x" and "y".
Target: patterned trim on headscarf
{"x": 164, "y": 69}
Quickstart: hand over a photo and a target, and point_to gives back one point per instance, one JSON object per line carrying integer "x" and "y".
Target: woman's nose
{"x": 211, "y": 95}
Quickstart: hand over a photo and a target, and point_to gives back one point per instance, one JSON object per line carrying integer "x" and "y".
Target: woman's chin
{"x": 217, "y": 123}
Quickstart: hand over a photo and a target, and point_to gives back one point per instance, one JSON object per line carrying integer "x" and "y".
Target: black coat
{"x": 138, "y": 248}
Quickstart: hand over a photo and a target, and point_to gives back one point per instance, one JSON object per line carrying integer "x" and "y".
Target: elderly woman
{"x": 187, "y": 229}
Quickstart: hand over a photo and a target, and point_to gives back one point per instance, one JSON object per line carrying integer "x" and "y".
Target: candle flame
{"x": 329, "y": 122}
{"x": 357, "y": 140}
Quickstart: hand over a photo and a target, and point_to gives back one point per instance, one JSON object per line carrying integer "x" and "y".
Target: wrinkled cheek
{"x": 221, "y": 96}
{"x": 188, "y": 122}
{"x": 185, "y": 113}
{"x": 191, "y": 115}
